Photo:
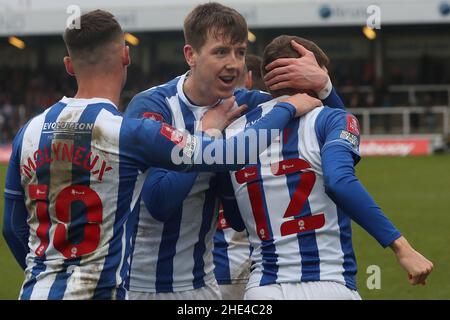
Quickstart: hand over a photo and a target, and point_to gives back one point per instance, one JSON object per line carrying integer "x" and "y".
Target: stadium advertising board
{"x": 395, "y": 147}
{"x": 5, "y": 153}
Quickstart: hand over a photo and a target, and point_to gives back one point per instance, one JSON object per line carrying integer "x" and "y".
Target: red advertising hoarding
{"x": 5, "y": 153}
{"x": 395, "y": 147}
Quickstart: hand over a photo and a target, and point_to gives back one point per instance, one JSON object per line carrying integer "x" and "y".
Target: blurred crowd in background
{"x": 25, "y": 93}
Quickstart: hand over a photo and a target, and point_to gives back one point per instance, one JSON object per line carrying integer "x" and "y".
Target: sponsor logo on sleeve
{"x": 153, "y": 116}
{"x": 354, "y": 140}
{"x": 191, "y": 145}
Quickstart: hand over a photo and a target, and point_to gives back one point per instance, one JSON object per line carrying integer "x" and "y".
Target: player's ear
{"x": 126, "y": 58}
{"x": 189, "y": 55}
{"x": 69, "y": 66}
{"x": 248, "y": 84}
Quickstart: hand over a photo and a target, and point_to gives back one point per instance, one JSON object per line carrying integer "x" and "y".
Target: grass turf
{"x": 414, "y": 192}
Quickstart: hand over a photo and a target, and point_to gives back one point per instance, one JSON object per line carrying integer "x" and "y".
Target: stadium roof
{"x": 32, "y": 17}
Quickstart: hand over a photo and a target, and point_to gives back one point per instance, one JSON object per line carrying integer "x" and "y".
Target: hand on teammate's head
{"x": 293, "y": 66}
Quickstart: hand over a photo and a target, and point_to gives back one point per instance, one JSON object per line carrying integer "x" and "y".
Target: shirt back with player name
{"x": 81, "y": 183}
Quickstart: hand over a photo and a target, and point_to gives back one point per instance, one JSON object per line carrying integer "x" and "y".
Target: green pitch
{"x": 414, "y": 192}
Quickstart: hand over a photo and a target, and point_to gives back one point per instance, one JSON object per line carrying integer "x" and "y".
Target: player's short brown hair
{"x": 253, "y": 63}
{"x": 217, "y": 20}
{"x": 98, "y": 28}
{"x": 280, "y": 47}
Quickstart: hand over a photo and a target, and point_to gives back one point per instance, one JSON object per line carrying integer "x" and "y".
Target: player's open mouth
{"x": 228, "y": 80}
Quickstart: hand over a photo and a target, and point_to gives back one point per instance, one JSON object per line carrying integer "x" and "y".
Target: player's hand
{"x": 216, "y": 119}
{"x": 302, "y": 102}
{"x": 302, "y": 73}
{"x": 416, "y": 265}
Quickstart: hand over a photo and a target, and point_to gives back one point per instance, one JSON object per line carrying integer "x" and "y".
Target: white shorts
{"x": 232, "y": 291}
{"x": 314, "y": 290}
{"x": 209, "y": 292}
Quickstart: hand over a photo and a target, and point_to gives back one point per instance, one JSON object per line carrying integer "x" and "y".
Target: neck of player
{"x": 99, "y": 87}
{"x": 195, "y": 94}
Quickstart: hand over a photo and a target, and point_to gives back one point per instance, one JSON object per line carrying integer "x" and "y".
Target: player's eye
{"x": 241, "y": 53}
{"x": 221, "y": 51}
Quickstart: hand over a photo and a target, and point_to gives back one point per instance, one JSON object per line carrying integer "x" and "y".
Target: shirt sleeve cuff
{"x": 325, "y": 91}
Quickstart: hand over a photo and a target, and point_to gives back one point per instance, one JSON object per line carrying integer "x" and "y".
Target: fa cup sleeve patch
{"x": 352, "y": 125}
{"x": 174, "y": 135}
{"x": 183, "y": 140}
{"x": 154, "y": 116}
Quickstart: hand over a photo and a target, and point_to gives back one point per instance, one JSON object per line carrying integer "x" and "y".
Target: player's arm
{"x": 328, "y": 95}
{"x": 227, "y": 197}
{"x": 154, "y": 143}
{"x": 164, "y": 191}
{"x": 15, "y": 227}
{"x": 303, "y": 73}
{"x": 339, "y": 134}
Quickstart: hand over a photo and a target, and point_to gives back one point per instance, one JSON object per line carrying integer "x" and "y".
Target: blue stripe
{"x": 60, "y": 284}
{"x": 307, "y": 240}
{"x": 268, "y": 249}
{"x": 167, "y": 251}
{"x": 349, "y": 265}
{"x": 43, "y": 177}
{"x": 133, "y": 225}
{"x": 107, "y": 282}
{"x": 209, "y": 211}
{"x": 29, "y": 285}
{"x": 78, "y": 216}
{"x": 220, "y": 256}
{"x": 131, "y": 232}
{"x": 171, "y": 228}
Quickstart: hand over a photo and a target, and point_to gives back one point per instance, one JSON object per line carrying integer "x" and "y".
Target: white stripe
{"x": 238, "y": 252}
{"x": 177, "y": 115}
{"x": 76, "y": 102}
{"x": 183, "y": 261}
{"x": 106, "y": 143}
{"x": 17, "y": 193}
{"x": 145, "y": 254}
{"x": 43, "y": 285}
